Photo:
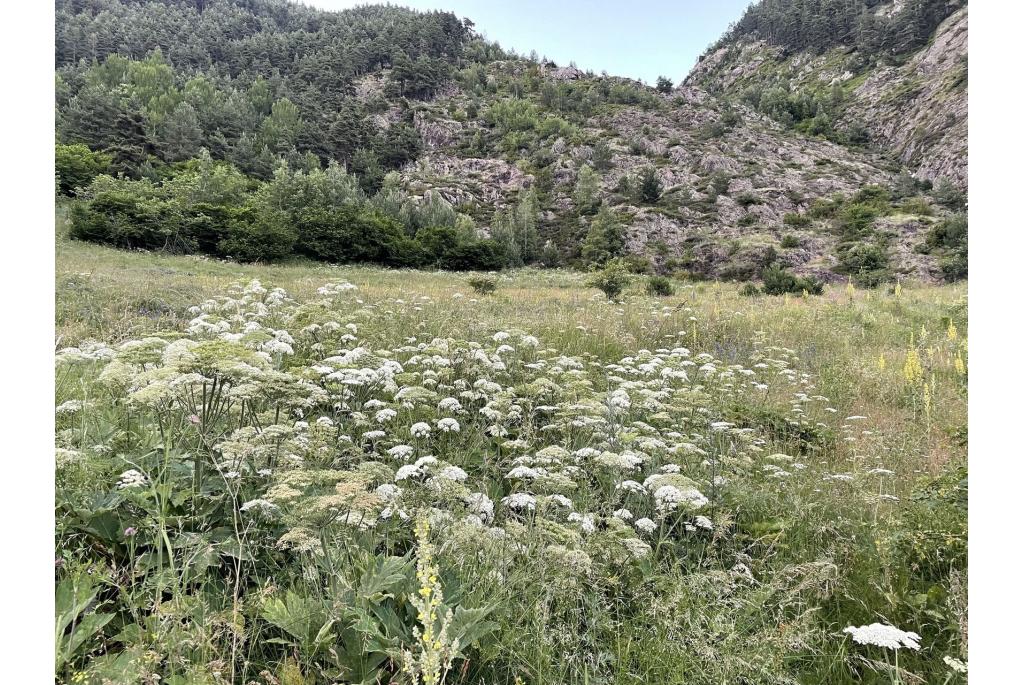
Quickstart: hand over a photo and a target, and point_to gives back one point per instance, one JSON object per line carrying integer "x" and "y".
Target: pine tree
{"x": 181, "y": 135}
{"x": 588, "y": 186}
{"x": 649, "y": 186}
{"x": 605, "y": 238}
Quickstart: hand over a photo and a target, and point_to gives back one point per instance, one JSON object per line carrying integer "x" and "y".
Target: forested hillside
{"x": 261, "y": 130}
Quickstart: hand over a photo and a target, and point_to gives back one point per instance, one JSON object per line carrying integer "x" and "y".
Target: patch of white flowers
{"x": 498, "y": 435}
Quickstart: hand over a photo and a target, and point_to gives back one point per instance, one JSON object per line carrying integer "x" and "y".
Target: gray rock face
{"x": 919, "y": 110}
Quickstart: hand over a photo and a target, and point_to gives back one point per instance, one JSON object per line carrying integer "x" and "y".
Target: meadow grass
{"x": 824, "y": 552}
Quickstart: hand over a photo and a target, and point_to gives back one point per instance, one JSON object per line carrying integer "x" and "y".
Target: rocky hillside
{"x": 911, "y": 104}
{"x": 762, "y": 156}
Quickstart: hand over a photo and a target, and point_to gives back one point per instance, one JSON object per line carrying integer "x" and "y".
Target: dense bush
{"x": 795, "y": 220}
{"x": 649, "y": 186}
{"x": 258, "y": 234}
{"x": 660, "y": 286}
{"x": 127, "y": 215}
{"x": 349, "y": 234}
{"x": 789, "y": 241}
{"x": 948, "y": 240}
{"x": 778, "y": 280}
{"x": 207, "y": 206}
{"x": 77, "y": 165}
{"x": 479, "y": 255}
{"x": 867, "y": 262}
{"x": 611, "y": 280}
{"x": 605, "y": 239}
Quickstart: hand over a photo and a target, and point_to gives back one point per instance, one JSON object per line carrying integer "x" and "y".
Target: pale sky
{"x": 641, "y": 39}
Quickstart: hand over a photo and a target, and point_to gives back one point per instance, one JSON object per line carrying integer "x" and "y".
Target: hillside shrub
{"x": 856, "y": 219}
{"x": 867, "y": 262}
{"x": 789, "y": 241}
{"x": 948, "y": 239}
{"x": 778, "y": 281}
{"x": 796, "y": 220}
{"x": 660, "y": 286}
{"x": 611, "y": 280}
{"x": 916, "y": 205}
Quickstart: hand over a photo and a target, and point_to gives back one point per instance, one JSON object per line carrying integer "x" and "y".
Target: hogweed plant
{"x": 681, "y": 502}
{"x": 889, "y": 639}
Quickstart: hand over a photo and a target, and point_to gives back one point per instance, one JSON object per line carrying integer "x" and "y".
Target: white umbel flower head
{"x": 882, "y": 635}
{"x": 448, "y": 425}
{"x": 420, "y": 430}
{"x": 520, "y": 501}
{"x": 131, "y": 479}
{"x": 645, "y": 525}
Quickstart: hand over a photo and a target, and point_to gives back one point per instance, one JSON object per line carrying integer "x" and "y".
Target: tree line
{"x": 152, "y": 83}
{"x": 820, "y": 25}
{"x": 210, "y": 207}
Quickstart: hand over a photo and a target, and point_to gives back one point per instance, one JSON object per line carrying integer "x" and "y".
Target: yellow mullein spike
{"x": 881, "y": 362}
{"x": 912, "y": 370}
{"x": 898, "y": 290}
{"x": 951, "y": 332}
{"x": 849, "y": 288}
{"x": 958, "y": 364}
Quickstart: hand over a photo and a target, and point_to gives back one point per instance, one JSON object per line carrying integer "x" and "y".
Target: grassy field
{"x": 826, "y": 435}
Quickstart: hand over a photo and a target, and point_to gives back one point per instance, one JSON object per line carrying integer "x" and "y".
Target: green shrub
{"x": 611, "y": 280}
{"x": 480, "y": 255}
{"x": 747, "y": 219}
{"x": 258, "y": 234}
{"x": 778, "y": 280}
{"x": 349, "y": 234}
{"x": 856, "y": 219}
{"x": 747, "y": 262}
{"x": 750, "y": 290}
{"x": 649, "y": 186}
{"x": 635, "y": 264}
{"x": 605, "y": 238}
{"x": 796, "y": 220}
{"x": 874, "y": 196}
{"x": 860, "y": 257}
{"x": 435, "y": 241}
{"x": 948, "y": 238}
{"x": 125, "y": 218}
{"x": 205, "y": 225}
{"x": 660, "y": 286}
{"x": 951, "y": 232}
{"x": 718, "y": 185}
{"x": 482, "y": 285}
{"x": 748, "y": 199}
{"x": 789, "y": 241}
{"x": 948, "y": 195}
{"x": 916, "y": 205}
{"x": 76, "y": 166}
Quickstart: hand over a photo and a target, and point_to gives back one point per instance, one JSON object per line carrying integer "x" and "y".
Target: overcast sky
{"x": 641, "y": 39}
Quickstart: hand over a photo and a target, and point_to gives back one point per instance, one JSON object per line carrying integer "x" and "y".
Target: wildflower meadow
{"x": 299, "y": 474}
